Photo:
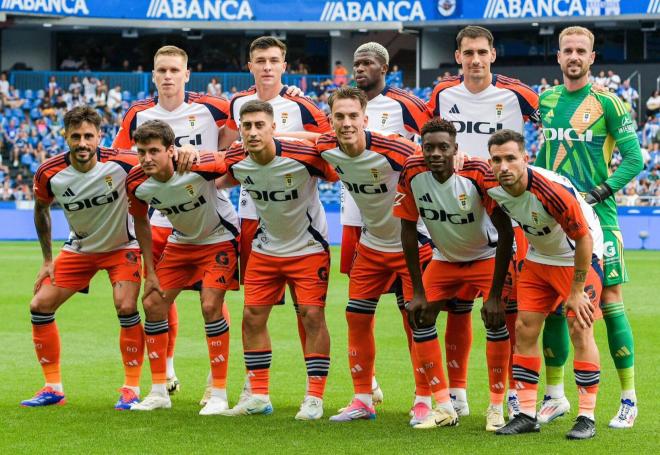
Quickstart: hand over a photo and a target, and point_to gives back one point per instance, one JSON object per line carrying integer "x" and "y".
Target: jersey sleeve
{"x": 395, "y": 148}
{"x": 305, "y": 153}
{"x": 136, "y": 206}
{"x": 232, "y": 120}
{"x": 528, "y": 99}
{"x": 218, "y": 107}
{"x": 433, "y": 104}
{"x": 415, "y": 112}
{"x": 479, "y": 173}
{"x": 404, "y": 202}
{"x": 124, "y": 137}
{"x": 562, "y": 205}
{"x": 45, "y": 172}
{"x": 314, "y": 119}
{"x": 127, "y": 159}
{"x": 326, "y": 142}
{"x": 211, "y": 165}
{"x": 621, "y": 127}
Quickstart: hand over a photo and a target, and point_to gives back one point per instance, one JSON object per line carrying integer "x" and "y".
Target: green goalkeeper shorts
{"x": 613, "y": 266}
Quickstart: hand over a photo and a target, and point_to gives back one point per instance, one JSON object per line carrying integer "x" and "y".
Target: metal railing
{"x": 141, "y": 82}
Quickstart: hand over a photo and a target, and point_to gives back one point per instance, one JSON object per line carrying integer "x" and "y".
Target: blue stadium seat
{"x": 126, "y": 95}
{"x": 28, "y": 95}
{"x": 35, "y": 114}
{"x": 141, "y": 95}
{"x": 41, "y": 94}
{"x": 17, "y": 113}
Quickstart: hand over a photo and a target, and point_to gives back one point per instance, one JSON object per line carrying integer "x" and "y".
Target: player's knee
{"x": 581, "y": 337}
{"x": 126, "y": 306}
{"x": 611, "y": 294}
{"x": 313, "y": 318}
{"x": 211, "y": 310}
{"x": 253, "y": 318}
{"x": 526, "y": 333}
{"x": 39, "y": 304}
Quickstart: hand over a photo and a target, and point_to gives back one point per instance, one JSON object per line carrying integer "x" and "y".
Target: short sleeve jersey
{"x": 292, "y": 114}
{"x": 196, "y": 122}
{"x": 190, "y": 201}
{"x": 393, "y": 111}
{"x": 453, "y": 211}
{"x": 371, "y": 178}
{"x": 551, "y": 213}
{"x": 505, "y": 104}
{"x": 580, "y": 130}
{"x": 291, "y": 218}
{"x": 94, "y": 202}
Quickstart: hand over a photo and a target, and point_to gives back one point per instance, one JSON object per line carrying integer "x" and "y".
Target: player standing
{"x": 197, "y": 121}
{"x": 479, "y": 103}
{"x": 203, "y": 247}
{"x": 581, "y": 127}
{"x": 290, "y": 247}
{"x": 465, "y": 237}
{"x": 562, "y": 265}
{"x": 89, "y": 183}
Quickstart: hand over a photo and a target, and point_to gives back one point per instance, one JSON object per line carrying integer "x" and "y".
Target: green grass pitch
{"x": 92, "y": 372}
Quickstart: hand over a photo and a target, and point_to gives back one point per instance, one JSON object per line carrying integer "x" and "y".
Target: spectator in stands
{"x": 543, "y": 85}
{"x": 395, "y": 77}
{"x": 52, "y": 86}
{"x": 601, "y": 79}
{"x": 125, "y": 66}
{"x": 323, "y": 103}
{"x": 649, "y": 131}
{"x": 214, "y": 87}
{"x": 613, "y": 81}
{"x": 13, "y": 98}
{"x": 340, "y": 74}
{"x": 6, "y": 189}
{"x": 630, "y": 197}
{"x": 653, "y": 103}
{"x": 89, "y": 88}
{"x": 70, "y": 64}
{"x": 114, "y": 99}
{"x": 75, "y": 84}
{"x": 628, "y": 93}
{"x": 139, "y": 69}
{"x": 555, "y": 82}
{"x": 4, "y": 85}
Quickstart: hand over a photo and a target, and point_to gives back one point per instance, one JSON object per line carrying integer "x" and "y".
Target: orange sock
{"x": 318, "y": 366}
{"x": 511, "y": 327}
{"x": 155, "y": 337}
{"x": 429, "y": 355}
{"x": 173, "y": 325}
{"x": 257, "y": 364}
{"x": 361, "y": 343}
{"x": 498, "y": 350}
{"x": 458, "y": 342}
{"x": 46, "y": 340}
{"x": 131, "y": 345}
{"x": 587, "y": 377}
{"x": 526, "y": 376}
{"x": 422, "y": 387}
{"x": 217, "y": 340}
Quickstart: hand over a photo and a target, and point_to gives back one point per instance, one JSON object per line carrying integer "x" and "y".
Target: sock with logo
{"x": 511, "y": 314}
{"x": 526, "y": 376}
{"x": 587, "y": 377}
{"x": 458, "y": 342}
{"x": 556, "y": 346}
{"x": 422, "y": 387}
{"x": 498, "y": 349}
{"x": 131, "y": 345}
{"x": 429, "y": 357}
{"x": 46, "y": 339}
{"x": 318, "y": 366}
{"x": 361, "y": 343}
{"x": 155, "y": 337}
{"x": 621, "y": 343}
{"x": 173, "y": 321}
{"x": 257, "y": 364}
{"x": 217, "y": 340}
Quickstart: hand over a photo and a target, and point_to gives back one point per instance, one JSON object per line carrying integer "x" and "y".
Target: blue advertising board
{"x": 331, "y": 11}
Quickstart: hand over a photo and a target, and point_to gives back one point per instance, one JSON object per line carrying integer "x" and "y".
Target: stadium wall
{"x": 19, "y": 225}
{"x": 32, "y": 47}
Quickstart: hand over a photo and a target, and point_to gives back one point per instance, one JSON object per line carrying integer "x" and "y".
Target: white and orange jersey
{"x": 198, "y": 214}
{"x": 551, "y": 213}
{"x": 506, "y": 104}
{"x": 292, "y": 114}
{"x": 371, "y": 178}
{"x": 393, "y": 111}
{"x": 196, "y": 122}
{"x": 94, "y": 202}
{"x": 291, "y": 218}
{"x": 453, "y": 212}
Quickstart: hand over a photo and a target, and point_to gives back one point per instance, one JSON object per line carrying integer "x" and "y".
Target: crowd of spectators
{"x": 31, "y": 124}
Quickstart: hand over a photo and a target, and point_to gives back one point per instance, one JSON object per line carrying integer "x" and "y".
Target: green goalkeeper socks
{"x": 620, "y": 340}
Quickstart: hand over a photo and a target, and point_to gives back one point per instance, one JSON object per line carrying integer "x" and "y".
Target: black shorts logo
{"x": 323, "y": 273}
{"x": 222, "y": 258}
{"x": 131, "y": 257}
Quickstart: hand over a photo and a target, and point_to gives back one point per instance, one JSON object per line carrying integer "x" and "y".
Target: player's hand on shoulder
{"x": 47, "y": 271}
{"x": 492, "y": 313}
{"x": 460, "y": 159}
{"x": 184, "y": 157}
{"x": 293, "y": 90}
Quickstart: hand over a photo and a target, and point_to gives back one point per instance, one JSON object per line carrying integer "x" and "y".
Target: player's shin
{"x": 556, "y": 346}
{"x": 257, "y": 364}
{"x": 131, "y": 344}
{"x": 458, "y": 342}
{"x": 173, "y": 322}
{"x": 361, "y": 345}
{"x": 217, "y": 340}
{"x": 429, "y": 357}
{"x": 155, "y": 337}
{"x": 46, "y": 340}
{"x": 622, "y": 347}
{"x": 498, "y": 348}
{"x": 526, "y": 370}
{"x": 422, "y": 387}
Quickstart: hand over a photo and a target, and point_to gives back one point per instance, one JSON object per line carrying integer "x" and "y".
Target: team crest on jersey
{"x": 108, "y": 181}
{"x": 375, "y": 174}
{"x": 288, "y": 180}
{"x": 586, "y": 117}
{"x": 498, "y": 109}
{"x": 464, "y": 202}
{"x": 535, "y": 218}
{"x": 190, "y": 189}
{"x": 383, "y": 119}
{"x": 285, "y": 117}
{"x": 192, "y": 119}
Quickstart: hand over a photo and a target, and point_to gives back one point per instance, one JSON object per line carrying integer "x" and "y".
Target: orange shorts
{"x": 266, "y": 278}
{"x": 445, "y": 280}
{"x": 159, "y": 237}
{"x": 350, "y": 237}
{"x": 374, "y": 271}
{"x": 248, "y": 231}
{"x": 75, "y": 270}
{"x": 183, "y": 265}
{"x": 542, "y": 288}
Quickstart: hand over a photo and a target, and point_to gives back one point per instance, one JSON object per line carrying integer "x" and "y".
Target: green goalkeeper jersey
{"x": 580, "y": 131}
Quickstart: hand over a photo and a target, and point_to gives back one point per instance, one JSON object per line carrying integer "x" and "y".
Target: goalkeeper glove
{"x": 598, "y": 194}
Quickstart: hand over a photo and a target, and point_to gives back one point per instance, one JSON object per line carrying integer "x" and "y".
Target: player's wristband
{"x": 598, "y": 194}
